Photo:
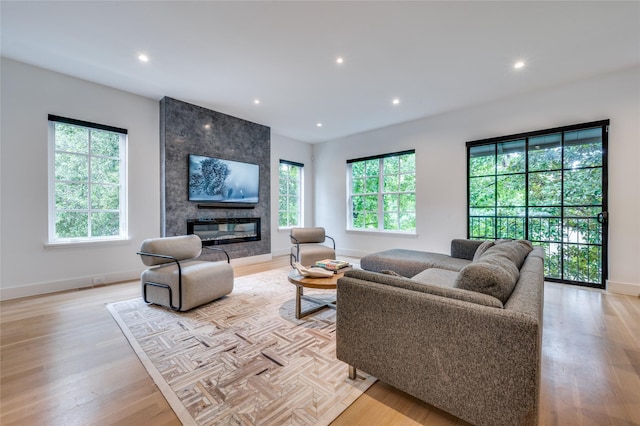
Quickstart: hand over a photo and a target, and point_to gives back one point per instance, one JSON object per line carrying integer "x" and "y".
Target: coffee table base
{"x": 321, "y": 303}
{"x": 323, "y": 283}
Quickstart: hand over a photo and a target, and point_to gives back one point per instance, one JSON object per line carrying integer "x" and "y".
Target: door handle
{"x": 603, "y": 217}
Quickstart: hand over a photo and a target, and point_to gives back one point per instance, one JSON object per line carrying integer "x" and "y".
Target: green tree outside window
{"x": 290, "y": 194}
{"x": 87, "y": 199}
{"x": 547, "y": 187}
{"x": 382, "y": 192}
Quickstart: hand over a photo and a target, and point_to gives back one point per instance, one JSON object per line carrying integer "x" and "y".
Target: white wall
{"x": 439, "y": 142}
{"x": 283, "y": 148}
{"x": 29, "y": 94}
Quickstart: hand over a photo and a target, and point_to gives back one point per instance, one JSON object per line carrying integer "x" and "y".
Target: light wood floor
{"x": 64, "y": 361}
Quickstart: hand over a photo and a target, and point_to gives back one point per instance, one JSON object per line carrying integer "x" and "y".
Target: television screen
{"x": 222, "y": 181}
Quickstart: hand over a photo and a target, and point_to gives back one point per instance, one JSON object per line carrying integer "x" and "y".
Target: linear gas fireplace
{"x": 225, "y": 231}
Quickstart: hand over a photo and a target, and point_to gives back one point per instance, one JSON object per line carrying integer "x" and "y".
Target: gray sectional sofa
{"x": 461, "y": 332}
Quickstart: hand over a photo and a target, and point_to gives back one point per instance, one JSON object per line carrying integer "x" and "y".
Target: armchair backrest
{"x": 182, "y": 247}
{"x": 307, "y": 235}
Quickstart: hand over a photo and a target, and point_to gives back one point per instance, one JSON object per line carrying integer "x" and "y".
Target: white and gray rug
{"x": 244, "y": 359}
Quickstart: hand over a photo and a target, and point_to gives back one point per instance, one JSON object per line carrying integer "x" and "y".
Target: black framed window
{"x": 547, "y": 186}
{"x": 290, "y": 212}
{"x": 382, "y": 192}
{"x": 87, "y": 181}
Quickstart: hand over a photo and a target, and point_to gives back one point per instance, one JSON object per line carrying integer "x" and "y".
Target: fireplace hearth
{"x": 225, "y": 231}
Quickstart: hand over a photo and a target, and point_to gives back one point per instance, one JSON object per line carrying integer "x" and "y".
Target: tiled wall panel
{"x": 189, "y": 129}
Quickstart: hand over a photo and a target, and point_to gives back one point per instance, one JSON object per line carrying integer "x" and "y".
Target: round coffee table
{"x": 324, "y": 283}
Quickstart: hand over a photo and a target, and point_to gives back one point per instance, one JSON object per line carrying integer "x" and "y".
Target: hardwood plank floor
{"x": 64, "y": 361}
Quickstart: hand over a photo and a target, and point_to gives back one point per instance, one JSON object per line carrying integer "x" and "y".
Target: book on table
{"x": 333, "y": 264}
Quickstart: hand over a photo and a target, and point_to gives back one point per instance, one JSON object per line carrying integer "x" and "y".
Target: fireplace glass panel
{"x": 225, "y": 231}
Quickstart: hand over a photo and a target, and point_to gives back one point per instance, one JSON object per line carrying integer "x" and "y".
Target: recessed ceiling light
{"x": 518, "y": 65}
{"x": 143, "y": 58}
{"x": 256, "y": 101}
{"x": 318, "y": 124}
{"x": 396, "y": 101}
{"x": 339, "y": 60}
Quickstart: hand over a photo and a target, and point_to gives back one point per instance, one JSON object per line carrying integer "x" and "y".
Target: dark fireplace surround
{"x": 190, "y": 129}
{"x": 225, "y": 231}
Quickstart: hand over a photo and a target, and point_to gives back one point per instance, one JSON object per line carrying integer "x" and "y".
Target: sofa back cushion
{"x": 307, "y": 235}
{"x": 426, "y": 283}
{"x": 481, "y": 249}
{"x": 464, "y": 249}
{"x": 181, "y": 247}
{"x": 496, "y": 271}
{"x": 516, "y": 250}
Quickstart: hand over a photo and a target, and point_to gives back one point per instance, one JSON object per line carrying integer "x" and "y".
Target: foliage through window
{"x": 87, "y": 181}
{"x": 382, "y": 192}
{"x": 290, "y": 194}
{"x": 548, "y": 187}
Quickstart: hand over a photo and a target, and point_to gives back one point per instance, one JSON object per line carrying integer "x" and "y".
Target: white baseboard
{"x": 281, "y": 252}
{"x": 28, "y": 290}
{"x": 339, "y": 252}
{"x": 351, "y": 253}
{"x": 252, "y": 259}
{"x": 623, "y": 288}
{"x": 9, "y": 293}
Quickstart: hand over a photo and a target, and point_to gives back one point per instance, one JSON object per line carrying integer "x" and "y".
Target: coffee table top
{"x": 327, "y": 283}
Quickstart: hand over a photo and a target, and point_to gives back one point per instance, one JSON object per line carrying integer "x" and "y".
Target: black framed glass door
{"x": 549, "y": 187}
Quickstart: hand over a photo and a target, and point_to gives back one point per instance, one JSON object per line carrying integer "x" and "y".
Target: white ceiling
{"x": 433, "y": 56}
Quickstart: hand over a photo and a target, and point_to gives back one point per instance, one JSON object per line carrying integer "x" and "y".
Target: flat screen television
{"x": 214, "y": 180}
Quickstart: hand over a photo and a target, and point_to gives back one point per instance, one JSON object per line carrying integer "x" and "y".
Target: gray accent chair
{"x": 308, "y": 246}
{"x": 177, "y": 280}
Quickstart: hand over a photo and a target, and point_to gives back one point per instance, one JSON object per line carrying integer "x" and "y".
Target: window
{"x": 87, "y": 181}
{"x": 382, "y": 192}
{"x": 549, "y": 187}
{"x": 290, "y": 194}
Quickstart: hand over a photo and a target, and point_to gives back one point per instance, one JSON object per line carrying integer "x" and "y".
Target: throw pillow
{"x": 497, "y": 270}
{"x": 481, "y": 249}
{"x": 503, "y": 240}
{"x": 515, "y": 250}
{"x": 495, "y": 278}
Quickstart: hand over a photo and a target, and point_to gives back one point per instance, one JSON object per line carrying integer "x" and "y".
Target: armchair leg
{"x": 166, "y": 287}
{"x": 352, "y": 372}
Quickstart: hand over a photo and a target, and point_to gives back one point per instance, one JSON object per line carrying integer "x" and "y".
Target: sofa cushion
{"x": 494, "y": 279}
{"x": 464, "y": 249}
{"x": 481, "y": 249}
{"x": 496, "y": 271}
{"x": 436, "y": 276}
{"x": 433, "y": 288}
{"x": 410, "y": 262}
{"x": 516, "y": 251}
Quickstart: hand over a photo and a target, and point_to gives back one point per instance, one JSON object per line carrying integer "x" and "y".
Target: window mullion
{"x": 495, "y": 191}
{"x": 562, "y": 173}
{"x": 89, "y": 182}
{"x": 381, "y": 194}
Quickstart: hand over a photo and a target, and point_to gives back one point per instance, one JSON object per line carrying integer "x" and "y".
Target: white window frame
{"x": 53, "y": 240}
{"x": 380, "y": 195}
{"x": 300, "y": 194}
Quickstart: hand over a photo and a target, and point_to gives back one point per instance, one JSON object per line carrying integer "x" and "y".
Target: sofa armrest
{"x": 476, "y": 362}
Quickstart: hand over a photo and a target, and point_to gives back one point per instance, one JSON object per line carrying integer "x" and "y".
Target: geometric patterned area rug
{"x": 244, "y": 359}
